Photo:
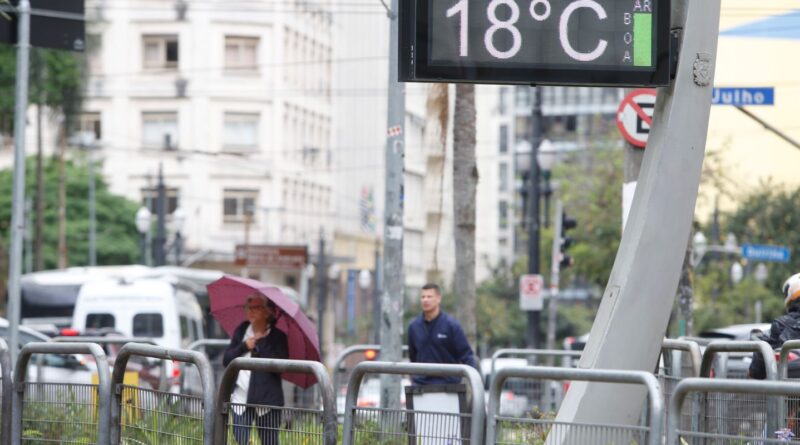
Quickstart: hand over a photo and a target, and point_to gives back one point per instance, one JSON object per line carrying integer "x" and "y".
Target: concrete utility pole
{"x": 161, "y": 224}
{"x": 376, "y": 293}
{"x": 534, "y": 317}
{"x": 18, "y": 198}
{"x": 322, "y": 292}
{"x": 555, "y": 273}
{"x": 635, "y": 308}
{"x": 92, "y": 207}
{"x": 392, "y": 290}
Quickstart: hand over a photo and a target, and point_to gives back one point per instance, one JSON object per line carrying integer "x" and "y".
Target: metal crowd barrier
{"x": 790, "y": 407}
{"x": 399, "y": 426}
{"x": 190, "y": 376}
{"x": 61, "y": 412}
{"x": 730, "y": 412}
{"x": 528, "y": 394}
{"x": 275, "y": 424}
{"x": 141, "y": 415}
{"x": 104, "y": 341}
{"x": 678, "y": 436}
{"x": 668, "y": 381}
{"x": 545, "y": 429}
{"x": 5, "y": 394}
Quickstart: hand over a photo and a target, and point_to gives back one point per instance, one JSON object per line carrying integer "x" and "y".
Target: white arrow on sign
{"x": 635, "y": 116}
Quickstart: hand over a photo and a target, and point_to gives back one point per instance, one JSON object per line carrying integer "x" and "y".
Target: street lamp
{"x": 178, "y": 220}
{"x": 143, "y": 220}
{"x": 737, "y": 273}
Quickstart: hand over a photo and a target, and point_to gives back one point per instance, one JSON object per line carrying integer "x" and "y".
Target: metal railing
{"x": 275, "y": 423}
{"x": 677, "y": 436}
{"x": 790, "y": 406}
{"x": 726, "y": 410}
{"x": 529, "y": 430}
{"x": 6, "y": 388}
{"x": 399, "y": 426}
{"x": 189, "y": 376}
{"x": 669, "y": 381}
{"x": 529, "y": 394}
{"x": 103, "y": 341}
{"x": 338, "y": 365}
{"x": 61, "y": 412}
{"x": 158, "y": 417}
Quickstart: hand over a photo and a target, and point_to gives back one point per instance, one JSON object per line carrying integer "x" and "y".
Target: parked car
{"x": 516, "y": 393}
{"x": 62, "y": 368}
{"x": 738, "y": 362}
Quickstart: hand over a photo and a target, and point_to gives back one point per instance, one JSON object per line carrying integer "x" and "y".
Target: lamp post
{"x": 86, "y": 140}
{"x": 143, "y": 221}
{"x": 546, "y": 157}
{"x": 178, "y": 220}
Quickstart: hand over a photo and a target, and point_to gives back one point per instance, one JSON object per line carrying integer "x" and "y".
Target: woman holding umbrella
{"x": 257, "y": 337}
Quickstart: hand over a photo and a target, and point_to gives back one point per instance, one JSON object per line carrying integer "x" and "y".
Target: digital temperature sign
{"x": 551, "y": 42}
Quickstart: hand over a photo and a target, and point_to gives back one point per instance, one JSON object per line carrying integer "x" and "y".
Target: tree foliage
{"x": 55, "y": 81}
{"x": 768, "y": 215}
{"x": 590, "y": 185}
{"x": 117, "y": 237}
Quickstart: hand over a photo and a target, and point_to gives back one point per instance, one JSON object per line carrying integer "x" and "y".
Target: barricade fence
{"x": 109, "y": 411}
{"x": 709, "y": 433}
{"x": 236, "y": 421}
{"x": 745, "y": 413}
{"x": 546, "y": 428}
{"x": 64, "y": 413}
{"x": 5, "y": 394}
{"x": 452, "y": 418}
{"x": 147, "y": 416}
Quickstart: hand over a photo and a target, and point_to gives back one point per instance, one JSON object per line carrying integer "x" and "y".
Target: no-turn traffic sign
{"x": 635, "y": 116}
{"x": 530, "y": 292}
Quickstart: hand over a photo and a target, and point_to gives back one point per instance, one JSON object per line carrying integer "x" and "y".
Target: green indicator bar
{"x": 642, "y": 39}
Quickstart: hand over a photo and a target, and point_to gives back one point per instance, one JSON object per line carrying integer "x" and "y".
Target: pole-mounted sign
{"x": 561, "y": 42}
{"x": 635, "y": 116}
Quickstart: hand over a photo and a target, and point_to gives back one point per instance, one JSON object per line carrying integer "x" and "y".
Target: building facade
{"x": 233, "y": 107}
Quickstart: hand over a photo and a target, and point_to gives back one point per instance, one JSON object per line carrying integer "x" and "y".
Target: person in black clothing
{"x": 257, "y": 337}
{"x": 436, "y": 337}
{"x": 784, "y": 328}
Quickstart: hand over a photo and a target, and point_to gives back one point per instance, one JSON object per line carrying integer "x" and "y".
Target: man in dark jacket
{"x": 436, "y": 337}
{"x": 786, "y": 327}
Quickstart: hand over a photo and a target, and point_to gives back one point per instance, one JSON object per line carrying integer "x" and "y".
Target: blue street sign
{"x": 741, "y": 97}
{"x": 775, "y": 254}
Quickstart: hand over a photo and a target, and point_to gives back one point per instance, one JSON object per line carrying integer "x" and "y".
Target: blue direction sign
{"x": 775, "y": 254}
{"x": 742, "y": 97}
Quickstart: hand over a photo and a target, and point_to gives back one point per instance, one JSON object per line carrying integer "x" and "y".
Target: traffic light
{"x": 567, "y": 223}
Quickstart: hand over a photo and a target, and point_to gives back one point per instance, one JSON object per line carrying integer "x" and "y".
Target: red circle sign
{"x": 635, "y": 116}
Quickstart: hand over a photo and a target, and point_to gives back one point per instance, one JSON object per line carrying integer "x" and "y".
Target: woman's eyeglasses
{"x": 247, "y": 308}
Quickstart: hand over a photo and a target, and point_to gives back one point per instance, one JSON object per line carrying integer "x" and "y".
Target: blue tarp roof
{"x": 785, "y": 26}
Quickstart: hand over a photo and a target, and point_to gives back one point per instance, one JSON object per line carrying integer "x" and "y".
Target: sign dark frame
{"x": 414, "y": 65}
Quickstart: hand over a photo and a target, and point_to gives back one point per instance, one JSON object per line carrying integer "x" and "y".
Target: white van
{"x": 156, "y": 308}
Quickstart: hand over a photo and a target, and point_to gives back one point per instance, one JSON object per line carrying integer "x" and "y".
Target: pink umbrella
{"x": 227, "y": 296}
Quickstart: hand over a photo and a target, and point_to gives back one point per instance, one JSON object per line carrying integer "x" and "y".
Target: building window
{"x": 150, "y": 200}
{"x": 504, "y": 139}
{"x": 241, "y": 54}
{"x": 91, "y": 123}
{"x": 238, "y": 205}
{"x": 240, "y": 131}
{"x": 160, "y": 51}
{"x": 160, "y": 130}
{"x": 503, "y": 179}
{"x": 503, "y": 214}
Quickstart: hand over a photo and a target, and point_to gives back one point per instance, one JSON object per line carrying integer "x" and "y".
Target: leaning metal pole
{"x": 18, "y": 199}
{"x": 636, "y": 305}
